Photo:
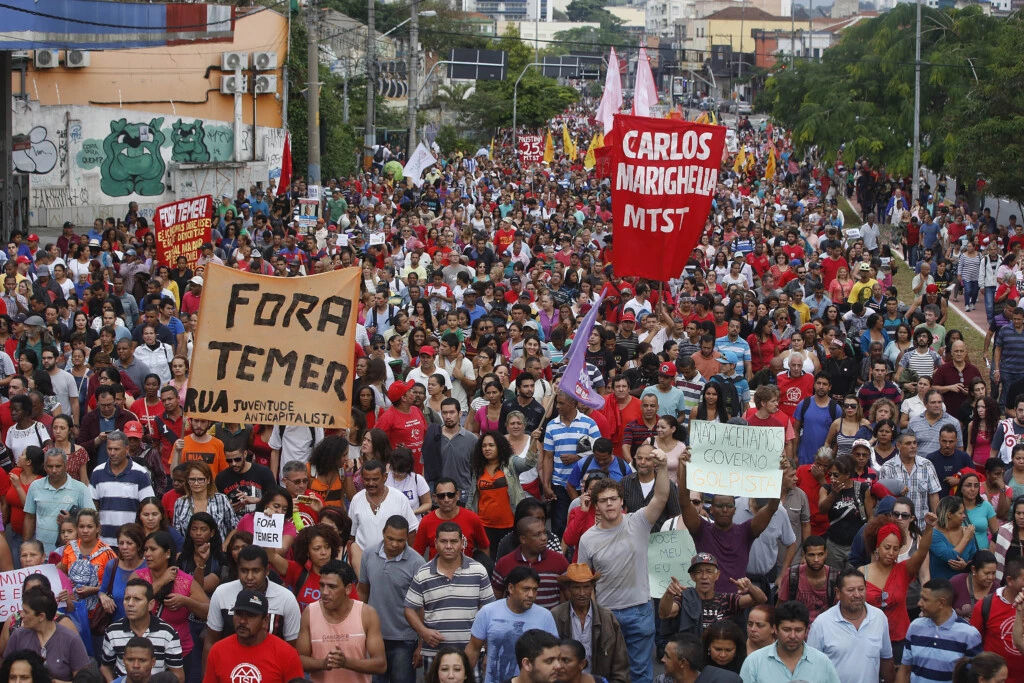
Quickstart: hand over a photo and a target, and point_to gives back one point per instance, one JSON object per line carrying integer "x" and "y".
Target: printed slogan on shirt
{"x": 273, "y": 350}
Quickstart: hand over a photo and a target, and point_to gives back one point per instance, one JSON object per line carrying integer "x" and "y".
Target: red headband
{"x": 889, "y": 529}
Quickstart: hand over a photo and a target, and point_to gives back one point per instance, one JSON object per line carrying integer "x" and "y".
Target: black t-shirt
{"x": 533, "y": 412}
{"x": 722, "y": 606}
{"x": 603, "y": 360}
{"x": 252, "y": 483}
{"x": 844, "y": 519}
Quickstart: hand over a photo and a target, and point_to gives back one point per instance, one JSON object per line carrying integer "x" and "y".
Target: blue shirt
{"x": 500, "y": 628}
{"x": 117, "y": 496}
{"x": 932, "y": 649}
{"x": 562, "y": 439}
{"x": 740, "y": 347}
{"x": 46, "y": 502}
{"x": 670, "y": 403}
{"x": 764, "y": 666}
{"x": 929, "y": 235}
{"x": 856, "y": 652}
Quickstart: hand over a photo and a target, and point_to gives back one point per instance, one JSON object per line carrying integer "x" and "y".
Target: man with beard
{"x": 252, "y": 653}
{"x": 524, "y": 402}
{"x": 244, "y": 482}
{"x": 200, "y": 445}
{"x": 854, "y": 634}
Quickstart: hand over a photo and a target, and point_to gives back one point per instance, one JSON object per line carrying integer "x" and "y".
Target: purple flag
{"x": 576, "y": 380}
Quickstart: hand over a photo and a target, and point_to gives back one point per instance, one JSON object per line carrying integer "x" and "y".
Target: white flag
{"x": 611, "y": 99}
{"x": 420, "y": 161}
{"x": 645, "y": 95}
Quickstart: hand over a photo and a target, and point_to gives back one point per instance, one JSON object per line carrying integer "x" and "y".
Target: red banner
{"x": 664, "y": 174}
{"x": 531, "y": 149}
{"x": 181, "y": 228}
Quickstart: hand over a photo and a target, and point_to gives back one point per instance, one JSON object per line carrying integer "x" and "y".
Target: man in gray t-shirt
{"x": 616, "y": 547}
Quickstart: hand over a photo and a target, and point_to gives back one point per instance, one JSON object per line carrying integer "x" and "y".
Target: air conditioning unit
{"x": 266, "y": 85}
{"x": 20, "y": 55}
{"x": 231, "y": 84}
{"x": 76, "y": 59}
{"x": 264, "y": 61}
{"x": 229, "y": 61}
{"x": 47, "y": 59}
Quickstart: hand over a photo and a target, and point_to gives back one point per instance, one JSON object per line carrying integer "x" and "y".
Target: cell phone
{"x": 305, "y": 499}
{"x": 73, "y": 512}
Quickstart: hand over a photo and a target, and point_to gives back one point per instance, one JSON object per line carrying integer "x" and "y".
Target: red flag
{"x": 664, "y": 174}
{"x": 793, "y": 168}
{"x": 284, "y": 184}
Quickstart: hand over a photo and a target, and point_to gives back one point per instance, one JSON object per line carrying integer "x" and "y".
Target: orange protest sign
{"x": 274, "y": 350}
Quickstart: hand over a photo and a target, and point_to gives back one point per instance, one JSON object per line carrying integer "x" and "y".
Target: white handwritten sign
{"x": 268, "y": 530}
{"x": 11, "y": 582}
{"x": 735, "y": 460}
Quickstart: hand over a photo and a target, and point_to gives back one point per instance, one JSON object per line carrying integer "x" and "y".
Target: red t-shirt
{"x": 792, "y": 391}
{"x": 830, "y": 268}
{"x": 472, "y": 531}
{"x": 405, "y": 429}
{"x": 272, "y": 661}
{"x": 997, "y": 634}
{"x": 809, "y": 485}
{"x": 168, "y": 501}
{"x": 503, "y": 240}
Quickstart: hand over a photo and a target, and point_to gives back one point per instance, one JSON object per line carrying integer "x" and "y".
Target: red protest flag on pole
{"x": 285, "y": 182}
{"x": 664, "y": 175}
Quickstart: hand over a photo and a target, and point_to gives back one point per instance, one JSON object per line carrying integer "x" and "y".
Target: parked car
{"x": 743, "y": 107}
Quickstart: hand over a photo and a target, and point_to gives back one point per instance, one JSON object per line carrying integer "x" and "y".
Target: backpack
{"x": 83, "y": 572}
{"x": 834, "y": 409}
{"x": 730, "y": 395}
{"x": 590, "y": 458}
{"x": 831, "y": 579}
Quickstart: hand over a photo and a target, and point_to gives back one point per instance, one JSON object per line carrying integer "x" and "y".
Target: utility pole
{"x": 344, "y": 87}
{"x": 413, "y": 76}
{"x": 313, "y": 93}
{"x": 915, "y": 186}
{"x": 370, "y": 133}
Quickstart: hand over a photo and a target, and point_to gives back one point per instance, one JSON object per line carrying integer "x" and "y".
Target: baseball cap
{"x": 68, "y": 224}
{"x": 23, "y": 259}
{"x": 133, "y": 430}
{"x": 33, "y": 237}
{"x": 427, "y": 350}
{"x": 628, "y": 316}
{"x": 729, "y": 357}
{"x": 702, "y": 558}
{"x": 932, "y": 289}
{"x": 397, "y": 390}
{"x": 251, "y": 602}
{"x": 861, "y": 442}
{"x": 43, "y": 271}
{"x": 667, "y": 370}
{"x": 196, "y": 280}
{"x": 864, "y": 267}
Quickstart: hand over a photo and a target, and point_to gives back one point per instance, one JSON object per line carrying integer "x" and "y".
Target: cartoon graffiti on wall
{"x": 132, "y": 162}
{"x": 188, "y": 142}
{"x": 41, "y": 155}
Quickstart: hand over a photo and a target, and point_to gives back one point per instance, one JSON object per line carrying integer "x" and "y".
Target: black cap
{"x": 251, "y": 602}
{"x": 377, "y": 339}
{"x": 68, "y": 224}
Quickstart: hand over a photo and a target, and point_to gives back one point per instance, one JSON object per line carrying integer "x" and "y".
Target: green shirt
{"x": 337, "y": 208}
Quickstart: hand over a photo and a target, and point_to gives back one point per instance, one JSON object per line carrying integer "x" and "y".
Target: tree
{"x": 591, "y": 10}
{"x": 861, "y": 94}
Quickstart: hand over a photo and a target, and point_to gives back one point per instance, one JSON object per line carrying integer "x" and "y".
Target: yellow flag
{"x": 751, "y": 160}
{"x": 600, "y": 140}
{"x": 568, "y": 147}
{"x": 549, "y": 148}
{"x": 703, "y": 118}
{"x": 741, "y": 160}
{"x": 769, "y": 169}
{"x": 490, "y": 150}
{"x": 590, "y": 160}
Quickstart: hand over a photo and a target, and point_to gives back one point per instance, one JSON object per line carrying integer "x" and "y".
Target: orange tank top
{"x": 347, "y": 636}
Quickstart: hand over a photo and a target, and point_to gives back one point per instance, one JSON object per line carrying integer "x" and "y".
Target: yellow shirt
{"x": 858, "y": 287}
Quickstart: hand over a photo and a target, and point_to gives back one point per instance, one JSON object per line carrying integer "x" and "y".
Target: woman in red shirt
{"x": 763, "y": 345}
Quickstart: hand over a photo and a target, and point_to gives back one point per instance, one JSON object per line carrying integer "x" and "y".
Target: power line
{"x": 101, "y": 24}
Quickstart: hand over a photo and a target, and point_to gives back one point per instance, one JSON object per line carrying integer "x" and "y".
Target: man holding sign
{"x": 616, "y": 547}
{"x": 728, "y": 542}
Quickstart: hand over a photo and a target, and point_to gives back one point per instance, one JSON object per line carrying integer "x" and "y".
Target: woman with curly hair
{"x": 496, "y": 491}
{"x": 314, "y": 547}
{"x": 327, "y": 467}
{"x": 24, "y": 666}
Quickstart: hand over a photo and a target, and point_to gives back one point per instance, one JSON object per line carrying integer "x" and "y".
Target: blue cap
{"x": 730, "y": 357}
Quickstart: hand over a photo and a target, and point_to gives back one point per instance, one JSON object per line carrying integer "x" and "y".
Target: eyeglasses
{"x": 197, "y": 480}
{"x": 447, "y": 495}
{"x": 902, "y": 515}
{"x": 299, "y": 482}
{"x": 885, "y": 599}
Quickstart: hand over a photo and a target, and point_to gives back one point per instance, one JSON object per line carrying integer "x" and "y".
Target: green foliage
{"x": 539, "y": 98}
{"x": 862, "y": 93}
{"x": 449, "y": 140}
{"x": 449, "y": 29}
{"x": 591, "y": 10}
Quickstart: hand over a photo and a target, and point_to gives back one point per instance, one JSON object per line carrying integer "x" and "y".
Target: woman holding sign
{"x": 314, "y": 547}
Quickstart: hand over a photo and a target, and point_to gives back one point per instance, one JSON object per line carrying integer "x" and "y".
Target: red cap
{"x": 23, "y": 259}
{"x": 628, "y": 316}
{"x": 932, "y": 289}
{"x": 133, "y": 430}
{"x": 397, "y": 390}
{"x": 33, "y": 238}
{"x": 667, "y": 370}
{"x": 427, "y": 350}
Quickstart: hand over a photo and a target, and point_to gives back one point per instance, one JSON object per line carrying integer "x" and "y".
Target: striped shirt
{"x": 969, "y": 268}
{"x": 166, "y": 645}
{"x": 449, "y": 605}
{"x": 117, "y": 496}
{"x": 562, "y": 439}
{"x": 932, "y": 649}
{"x": 740, "y": 347}
{"x": 1011, "y": 356}
{"x": 924, "y": 364}
{"x": 636, "y": 433}
{"x": 692, "y": 389}
{"x": 549, "y": 565}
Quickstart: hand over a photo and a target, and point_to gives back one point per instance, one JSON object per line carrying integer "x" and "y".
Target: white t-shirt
{"x": 294, "y": 443}
{"x": 412, "y": 487}
{"x": 418, "y": 376}
{"x": 64, "y": 388}
{"x": 285, "y": 618}
{"x": 458, "y": 391}
{"x": 367, "y": 527}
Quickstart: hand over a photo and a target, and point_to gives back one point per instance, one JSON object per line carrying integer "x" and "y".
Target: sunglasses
{"x": 446, "y": 496}
{"x": 902, "y": 515}
{"x": 231, "y": 460}
{"x": 378, "y": 347}
{"x": 850, "y": 406}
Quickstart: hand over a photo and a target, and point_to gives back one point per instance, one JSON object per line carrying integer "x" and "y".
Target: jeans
{"x": 912, "y": 255}
{"x": 195, "y": 658}
{"x": 399, "y": 655}
{"x": 560, "y": 509}
{"x": 990, "y": 303}
{"x": 637, "y": 624}
{"x": 970, "y": 292}
{"x": 1005, "y": 380}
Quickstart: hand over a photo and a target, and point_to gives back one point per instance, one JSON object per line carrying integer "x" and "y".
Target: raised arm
{"x": 653, "y": 510}
{"x": 924, "y": 545}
